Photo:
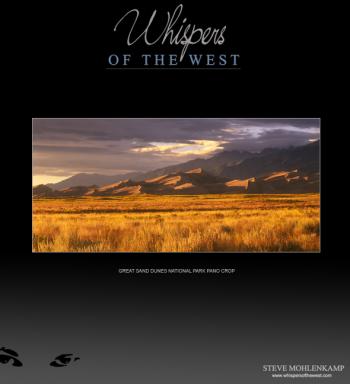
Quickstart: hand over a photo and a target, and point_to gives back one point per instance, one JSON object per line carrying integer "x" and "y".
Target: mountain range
{"x": 273, "y": 170}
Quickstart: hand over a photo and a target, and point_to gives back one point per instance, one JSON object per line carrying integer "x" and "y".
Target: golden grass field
{"x": 200, "y": 223}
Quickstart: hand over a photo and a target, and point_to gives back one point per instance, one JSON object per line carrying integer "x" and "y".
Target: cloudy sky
{"x": 64, "y": 147}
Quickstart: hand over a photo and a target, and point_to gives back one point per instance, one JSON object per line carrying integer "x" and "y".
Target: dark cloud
{"x": 110, "y": 146}
{"x": 119, "y": 129}
{"x": 273, "y": 138}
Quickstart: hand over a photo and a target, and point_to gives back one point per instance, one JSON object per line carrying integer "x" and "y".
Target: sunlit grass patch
{"x": 203, "y": 223}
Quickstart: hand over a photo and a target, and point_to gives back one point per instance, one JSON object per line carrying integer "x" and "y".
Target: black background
{"x": 277, "y": 307}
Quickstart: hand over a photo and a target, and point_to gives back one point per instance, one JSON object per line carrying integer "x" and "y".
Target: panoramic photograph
{"x": 176, "y": 185}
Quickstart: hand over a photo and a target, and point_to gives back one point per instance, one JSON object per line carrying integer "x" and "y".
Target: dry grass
{"x": 254, "y": 223}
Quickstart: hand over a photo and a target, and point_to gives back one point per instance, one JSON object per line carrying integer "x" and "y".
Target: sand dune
{"x": 195, "y": 181}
